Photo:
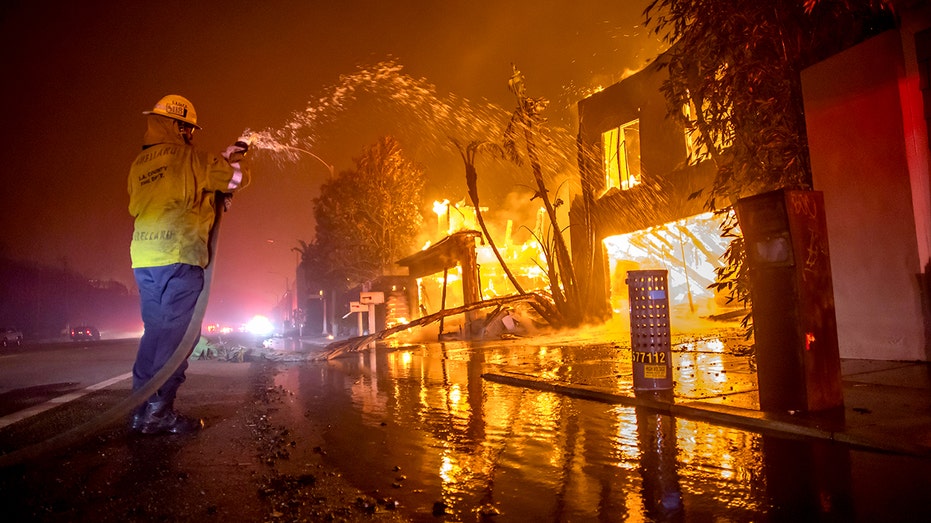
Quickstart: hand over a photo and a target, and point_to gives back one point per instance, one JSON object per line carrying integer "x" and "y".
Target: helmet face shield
{"x": 176, "y": 107}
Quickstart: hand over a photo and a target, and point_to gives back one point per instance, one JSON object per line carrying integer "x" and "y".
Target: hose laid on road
{"x": 121, "y": 410}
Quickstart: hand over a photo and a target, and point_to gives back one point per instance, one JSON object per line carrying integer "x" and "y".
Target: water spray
{"x": 264, "y": 141}
{"x": 417, "y": 114}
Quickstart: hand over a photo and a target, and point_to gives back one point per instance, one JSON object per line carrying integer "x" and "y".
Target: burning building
{"x": 866, "y": 110}
{"x": 460, "y": 268}
{"x": 638, "y": 207}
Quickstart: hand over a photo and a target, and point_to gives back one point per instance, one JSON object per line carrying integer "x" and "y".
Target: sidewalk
{"x": 887, "y": 404}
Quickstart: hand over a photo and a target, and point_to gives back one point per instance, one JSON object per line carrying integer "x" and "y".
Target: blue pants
{"x": 168, "y": 295}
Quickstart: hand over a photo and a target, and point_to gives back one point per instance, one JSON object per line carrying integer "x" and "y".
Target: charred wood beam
{"x": 536, "y": 300}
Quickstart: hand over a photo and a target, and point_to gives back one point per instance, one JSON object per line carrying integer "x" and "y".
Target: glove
{"x": 236, "y": 152}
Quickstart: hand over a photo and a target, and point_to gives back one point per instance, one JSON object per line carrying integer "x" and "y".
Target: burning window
{"x": 622, "y": 156}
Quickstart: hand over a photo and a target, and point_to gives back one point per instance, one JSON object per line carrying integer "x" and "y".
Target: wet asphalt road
{"x": 237, "y": 469}
{"x": 415, "y": 434}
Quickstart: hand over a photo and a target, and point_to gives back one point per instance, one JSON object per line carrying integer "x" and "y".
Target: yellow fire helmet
{"x": 177, "y": 107}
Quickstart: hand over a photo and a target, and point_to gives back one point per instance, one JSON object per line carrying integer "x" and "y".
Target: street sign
{"x": 371, "y": 298}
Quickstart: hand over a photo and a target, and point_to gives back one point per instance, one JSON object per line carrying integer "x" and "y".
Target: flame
{"x": 441, "y": 208}
{"x": 690, "y": 249}
{"x": 523, "y": 258}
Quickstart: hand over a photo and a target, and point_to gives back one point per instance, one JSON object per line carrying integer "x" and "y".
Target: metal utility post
{"x": 323, "y": 303}
{"x": 794, "y": 325}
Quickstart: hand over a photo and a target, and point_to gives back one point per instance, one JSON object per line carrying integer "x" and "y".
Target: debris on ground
{"x": 304, "y": 489}
{"x": 534, "y": 301}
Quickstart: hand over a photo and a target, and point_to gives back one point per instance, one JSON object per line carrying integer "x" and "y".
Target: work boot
{"x": 135, "y": 419}
{"x": 160, "y": 417}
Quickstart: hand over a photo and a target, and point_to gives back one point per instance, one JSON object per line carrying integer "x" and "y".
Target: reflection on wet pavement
{"x": 419, "y": 424}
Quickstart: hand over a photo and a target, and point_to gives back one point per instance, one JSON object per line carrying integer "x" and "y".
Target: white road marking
{"x": 10, "y": 419}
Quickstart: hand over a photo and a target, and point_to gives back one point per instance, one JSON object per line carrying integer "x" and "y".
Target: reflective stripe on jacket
{"x": 172, "y": 190}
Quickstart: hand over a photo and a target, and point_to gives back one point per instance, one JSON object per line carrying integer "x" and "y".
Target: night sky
{"x": 77, "y": 76}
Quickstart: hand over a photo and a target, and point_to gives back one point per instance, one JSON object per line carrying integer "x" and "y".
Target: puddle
{"x": 421, "y": 426}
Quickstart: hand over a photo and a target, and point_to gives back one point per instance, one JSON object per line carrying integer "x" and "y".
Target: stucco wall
{"x": 857, "y": 138}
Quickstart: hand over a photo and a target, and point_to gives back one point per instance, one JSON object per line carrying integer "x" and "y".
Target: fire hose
{"x": 121, "y": 410}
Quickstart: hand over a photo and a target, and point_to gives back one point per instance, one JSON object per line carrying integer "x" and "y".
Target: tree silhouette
{"x": 366, "y": 218}
{"x": 735, "y": 80}
{"x": 523, "y": 128}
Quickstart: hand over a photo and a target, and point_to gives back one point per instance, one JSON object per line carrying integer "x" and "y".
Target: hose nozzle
{"x": 247, "y": 139}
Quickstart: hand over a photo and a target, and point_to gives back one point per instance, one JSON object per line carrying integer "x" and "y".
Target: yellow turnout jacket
{"x": 172, "y": 190}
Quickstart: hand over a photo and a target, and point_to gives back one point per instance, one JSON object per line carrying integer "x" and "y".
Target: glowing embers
{"x": 690, "y": 249}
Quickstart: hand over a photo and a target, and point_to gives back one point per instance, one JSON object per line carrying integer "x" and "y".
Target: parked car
{"x": 10, "y": 336}
{"x": 84, "y": 332}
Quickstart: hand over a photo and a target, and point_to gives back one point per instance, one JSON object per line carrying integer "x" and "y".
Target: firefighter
{"x": 172, "y": 192}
